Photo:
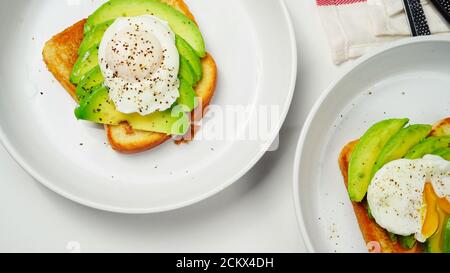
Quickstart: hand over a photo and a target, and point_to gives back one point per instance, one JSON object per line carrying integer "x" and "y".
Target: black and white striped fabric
{"x": 417, "y": 18}
{"x": 443, "y": 6}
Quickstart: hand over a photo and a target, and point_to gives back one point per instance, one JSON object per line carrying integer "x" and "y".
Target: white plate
{"x": 256, "y": 58}
{"x": 410, "y": 79}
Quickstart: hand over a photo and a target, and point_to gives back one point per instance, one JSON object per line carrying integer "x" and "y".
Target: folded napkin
{"x": 355, "y": 27}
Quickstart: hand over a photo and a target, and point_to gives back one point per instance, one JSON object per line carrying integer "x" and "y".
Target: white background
{"x": 256, "y": 214}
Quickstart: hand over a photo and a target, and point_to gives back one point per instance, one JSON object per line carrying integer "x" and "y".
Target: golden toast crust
{"x": 371, "y": 231}
{"x": 60, "y": 54}
{"x": 441, "y": 128}
{"x": 126, "y": 140}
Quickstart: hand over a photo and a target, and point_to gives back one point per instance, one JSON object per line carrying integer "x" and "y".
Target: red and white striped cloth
{"x": 337, "y": 2}
{"x": 355, "y": 27}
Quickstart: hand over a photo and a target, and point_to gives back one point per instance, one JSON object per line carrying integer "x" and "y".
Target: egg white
{"x": 395, "y": 195}
{"x": 140, "y": 62}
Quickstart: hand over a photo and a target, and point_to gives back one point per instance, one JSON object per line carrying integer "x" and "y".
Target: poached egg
{"x": 408, "y": 196}
{"x": 140, "y": 62}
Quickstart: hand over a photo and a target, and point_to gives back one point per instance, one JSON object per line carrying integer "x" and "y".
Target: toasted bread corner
{"x": 441, "y": 128}
{"x": 126, "y": 140}
{"x": 61, "y": 52}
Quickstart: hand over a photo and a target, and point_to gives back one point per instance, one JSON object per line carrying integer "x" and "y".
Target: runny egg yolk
{"x": 444, "y": 204}
{"x": 433, "y": 204}
{"x": 431, "y": 220}
{"x": 410, "y": 196}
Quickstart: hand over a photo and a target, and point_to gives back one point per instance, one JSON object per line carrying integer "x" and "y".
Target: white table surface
{"x": 256, "y": 214}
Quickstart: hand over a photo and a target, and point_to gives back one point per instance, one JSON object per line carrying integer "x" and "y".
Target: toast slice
{"x": 370, "y": 229}
{"x": 61, "y": 53}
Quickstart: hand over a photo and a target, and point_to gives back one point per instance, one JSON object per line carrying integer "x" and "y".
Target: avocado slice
{"x": 443, "y": 152}
{"x": 186, "y": 72}
{"x": 401, "y": 143}
{"x": 89, "y": 82}
{"x": 407, "y": 242}
{"x": 180, "y": 24}
{"x": 446, "y": 239}
{"x": 187, "y": 97}
{"x": 428, "y": 146}
{"x": 393, "y": 237}
{"x": 187, "y": 52}
{"x": 436, "y": 244}
{"x": 366, "y": 153}
{"x": 84, "y": 64}
{"x": 94, "y": 37}
{"x": 99, "y": 108}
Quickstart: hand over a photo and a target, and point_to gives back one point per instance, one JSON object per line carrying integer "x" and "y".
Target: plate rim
{"x": 315, "y": 109}
{"x": 35, "y": 174}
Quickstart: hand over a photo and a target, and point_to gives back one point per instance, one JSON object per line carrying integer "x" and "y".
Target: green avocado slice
{"x": 84, "y": 64}
{"x": 428, "y": 146}
{"x": 438, "y": 243}
{"x": 187, "y": 97}
{"x": 186, "y": 72}
{"x": 180, "y": 24}
{"x": 407, "y": 242}
{"x": 443, "y": 152}
{"x": 94, "y": 37}
{"x": 99, "y": 108}
{"x": 189, "y": 54}
{"x": 366, "y": 153}
{"x": 401, "y": 143}
{"x": 446, "y": 239}
{"x": 89, "y": 82}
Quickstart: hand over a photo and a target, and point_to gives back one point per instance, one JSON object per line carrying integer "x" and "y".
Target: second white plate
{"x": 408, "y": 79}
